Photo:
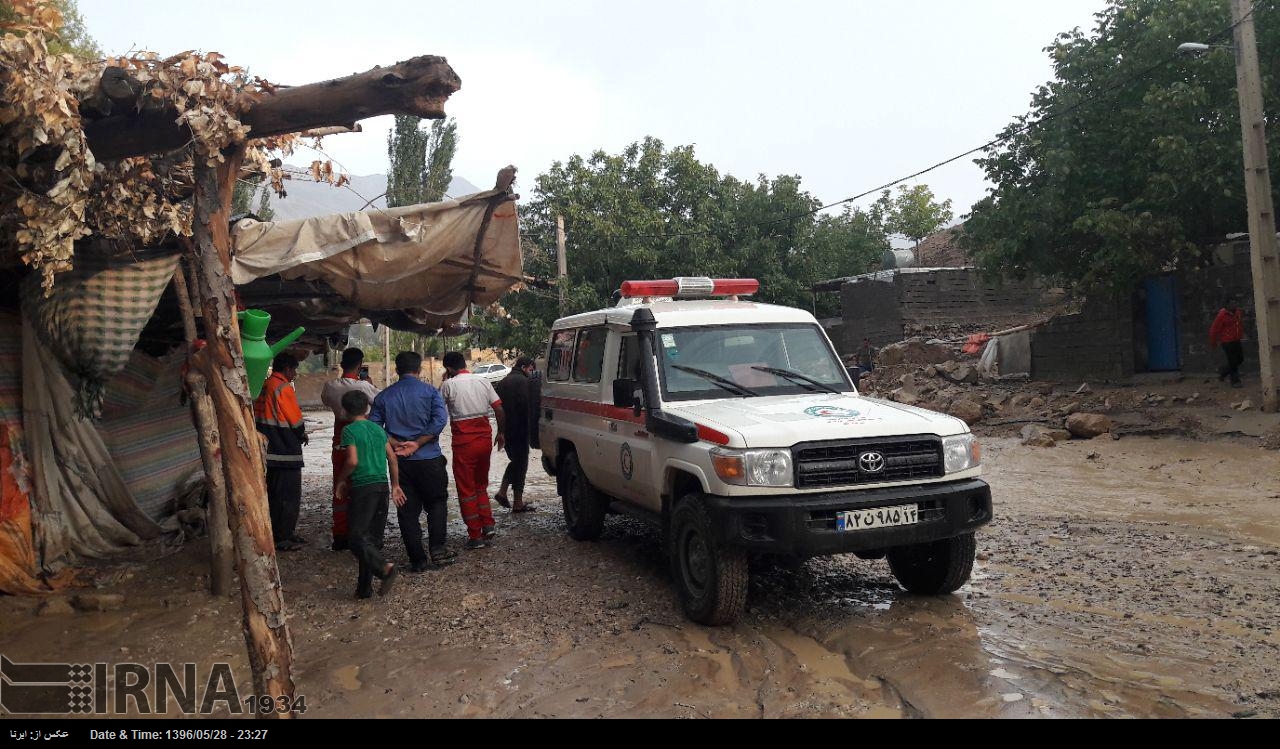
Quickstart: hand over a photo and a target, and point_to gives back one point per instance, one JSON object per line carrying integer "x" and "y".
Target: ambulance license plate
{"x": 880, "y": 517}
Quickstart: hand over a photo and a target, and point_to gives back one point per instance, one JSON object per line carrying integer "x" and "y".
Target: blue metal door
{"x": 1163, "y": 349}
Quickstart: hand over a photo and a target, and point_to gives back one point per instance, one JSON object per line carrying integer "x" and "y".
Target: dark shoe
{"x": 288, "y": 545}
{"x": 422, "y": 567}
{"x": 1237, "y": 385}
{"x": 364, "y": 594}
{"x": 388, "y": 581}
{"x": 477, "y": 543}
{"x": 489, "y": 532}
{"x": 502, "y": 500}
{"x": 524, "y": 508}
{"x": 297, "y": 539}
{"x": 443, "y": 554}
{"x": 341, "y": 545}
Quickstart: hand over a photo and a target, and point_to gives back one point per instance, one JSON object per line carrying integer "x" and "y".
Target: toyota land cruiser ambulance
{"x": 735, "y": 428}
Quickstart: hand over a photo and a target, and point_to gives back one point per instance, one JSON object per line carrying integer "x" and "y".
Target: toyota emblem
{"x": 871, "y": 462}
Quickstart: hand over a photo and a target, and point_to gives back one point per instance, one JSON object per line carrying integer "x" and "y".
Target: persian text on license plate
{"x": 880, "y": 517}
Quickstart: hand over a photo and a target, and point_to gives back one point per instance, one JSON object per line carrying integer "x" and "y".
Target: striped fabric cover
{"x": 149, "y": 433}
{"x": 94, "y": 316}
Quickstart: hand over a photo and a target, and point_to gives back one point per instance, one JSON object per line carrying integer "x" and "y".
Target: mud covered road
{"x": 1129, "y": 578}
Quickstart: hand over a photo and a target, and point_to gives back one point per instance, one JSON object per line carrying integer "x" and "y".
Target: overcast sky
{"x": 847, "y": 94}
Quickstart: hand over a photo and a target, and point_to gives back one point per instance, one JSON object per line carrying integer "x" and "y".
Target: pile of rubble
{"x": 936, "y": 375}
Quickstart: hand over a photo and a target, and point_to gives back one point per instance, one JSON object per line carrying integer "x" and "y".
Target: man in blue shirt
{"x": 413, "y": 415}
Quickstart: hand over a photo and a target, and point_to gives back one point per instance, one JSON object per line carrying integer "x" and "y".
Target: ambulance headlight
{"x": 962, "y": 452}
{"x": 770, "y": 468}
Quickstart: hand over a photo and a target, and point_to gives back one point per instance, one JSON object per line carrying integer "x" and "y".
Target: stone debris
{"x": 1088, "y": 426}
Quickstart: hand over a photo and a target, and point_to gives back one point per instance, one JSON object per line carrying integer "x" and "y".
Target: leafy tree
{"x": 264, "y": 211}
{"x": 421, "y": 161}
{"x": 442, "y": 144}
{"x": 914, "y": 213}
{"x": 1129, "y": 160}
{"x": 407, "y": 157}
{"x": 242, "y": 198}
{"x": 653, "y": 212}
{"x": 73, "y": 37}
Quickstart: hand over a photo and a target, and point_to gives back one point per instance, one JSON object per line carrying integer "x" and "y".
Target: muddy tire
{"x": 711, "y": 578}
{"x": 934, "y": 568}
{"x": 584, "y": 507}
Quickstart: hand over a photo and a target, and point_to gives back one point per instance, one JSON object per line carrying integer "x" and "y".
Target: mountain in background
{"x": 307, "y": 199}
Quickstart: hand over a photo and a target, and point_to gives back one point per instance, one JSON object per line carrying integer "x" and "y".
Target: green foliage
{"x": 264, "y": 211}
{"x": 420, "y": 161}
{"x": 914, "y": 214}
{"x": 1131, "y": 173}
{"x": 653, "y": 212}
{"x": 73, "y": 37}
{"x": 442, "y": 144}
{"x": 242, "y": 198}
{"x": 407, "y": 157}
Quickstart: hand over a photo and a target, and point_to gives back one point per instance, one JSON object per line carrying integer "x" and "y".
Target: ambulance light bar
{"x": 691, "y": 288}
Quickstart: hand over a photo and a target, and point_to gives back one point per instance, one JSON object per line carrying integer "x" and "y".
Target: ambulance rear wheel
{"x": 584, "y": 507}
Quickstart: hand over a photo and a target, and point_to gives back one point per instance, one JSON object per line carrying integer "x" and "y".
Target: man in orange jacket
{"x": 1228, "y": 332}
{"x": 279, "y": 419}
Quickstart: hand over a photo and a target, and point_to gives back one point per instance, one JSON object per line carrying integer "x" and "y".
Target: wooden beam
{"x": 419, "y": 86}
{"x": 266, "y": 628}
{"x": 221, "y": 547}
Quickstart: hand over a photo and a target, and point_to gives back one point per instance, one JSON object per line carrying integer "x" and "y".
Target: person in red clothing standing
{"x": 1228, "y": 332}
{"x": 469, "y": 398}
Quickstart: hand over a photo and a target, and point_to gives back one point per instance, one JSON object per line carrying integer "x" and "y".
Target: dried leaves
{"x": 53, "y": 192}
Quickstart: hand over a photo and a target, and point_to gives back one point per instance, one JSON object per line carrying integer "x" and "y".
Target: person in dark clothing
{"x": 368, "y": 457}
{"x": 413, "y": 415}
{"x": 1227, "y": 331}
{"x": 514, "y": 390}
{"x": 535, "y": 408}
{"x": 279, "y": 419}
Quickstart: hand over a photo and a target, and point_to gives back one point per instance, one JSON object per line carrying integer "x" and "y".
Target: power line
{"x": 1008, "y": 135}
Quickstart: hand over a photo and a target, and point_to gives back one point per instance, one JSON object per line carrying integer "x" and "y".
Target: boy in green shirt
{"x": 369, "y": 455}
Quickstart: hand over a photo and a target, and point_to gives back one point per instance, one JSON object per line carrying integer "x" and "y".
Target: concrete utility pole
{"x": 561, "y": 264}
{"x": 1262, "y": 220}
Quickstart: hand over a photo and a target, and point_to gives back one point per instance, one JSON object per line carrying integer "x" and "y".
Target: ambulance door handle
{"x": 549, "y": 414}
{"x": 613, "y": 426}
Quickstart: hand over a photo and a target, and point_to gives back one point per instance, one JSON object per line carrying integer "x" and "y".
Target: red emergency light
{"x": 689, "y": 288}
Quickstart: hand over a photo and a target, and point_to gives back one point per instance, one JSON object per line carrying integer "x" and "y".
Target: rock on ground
{"x": 1088, "y": 426}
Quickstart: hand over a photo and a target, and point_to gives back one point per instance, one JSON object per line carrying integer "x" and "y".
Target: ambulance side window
{"x": 590, "y": 360}
{"x": 561, "y": 359}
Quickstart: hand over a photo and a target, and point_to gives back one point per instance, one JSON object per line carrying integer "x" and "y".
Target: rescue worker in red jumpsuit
{"x": 469, "y": 398}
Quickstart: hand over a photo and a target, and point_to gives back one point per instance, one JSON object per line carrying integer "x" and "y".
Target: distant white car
{"x": 491, "y": 372}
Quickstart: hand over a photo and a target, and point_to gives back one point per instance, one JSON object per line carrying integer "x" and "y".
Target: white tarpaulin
{"x": 421, "y": 257}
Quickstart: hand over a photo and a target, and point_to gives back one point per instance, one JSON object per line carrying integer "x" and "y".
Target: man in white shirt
{"x": 469, "y": 398}
{"x": 331, "y": 397}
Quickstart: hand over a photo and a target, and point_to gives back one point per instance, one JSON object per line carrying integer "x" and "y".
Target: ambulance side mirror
{"x": 624, "y": 395}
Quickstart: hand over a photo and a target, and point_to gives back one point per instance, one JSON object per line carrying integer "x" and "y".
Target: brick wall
{"x": 869, "y": 309}
{"x": 963, "y": 294}
{"x": 1201, "y": 294}
{"x": 1095, "y": 344}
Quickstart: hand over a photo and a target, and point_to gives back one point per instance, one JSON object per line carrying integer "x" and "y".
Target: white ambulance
{"x": 734, "y": 427}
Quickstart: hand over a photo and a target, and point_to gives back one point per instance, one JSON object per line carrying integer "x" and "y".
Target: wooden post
{"x": 266, "y": 628}
{"x": 386, "y": 357}
{"x": 1262, "y": 219}
{"x": 562, "y": 266}
{"x": 221, "y": 548}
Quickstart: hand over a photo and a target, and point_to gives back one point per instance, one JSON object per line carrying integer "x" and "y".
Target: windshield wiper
{"x": 797, "y": 377}
{"x": 723, "y": 382}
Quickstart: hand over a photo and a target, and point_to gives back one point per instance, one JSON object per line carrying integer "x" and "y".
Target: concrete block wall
{"x": 870, "y": 309}
{"x": 1201, "y": 293}
{"x": 1095, "y": 344}
{"x": 963, "y": 294}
